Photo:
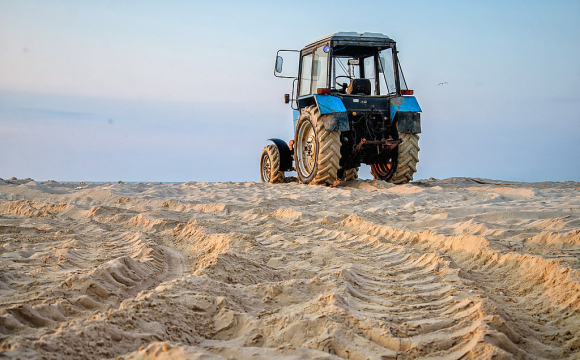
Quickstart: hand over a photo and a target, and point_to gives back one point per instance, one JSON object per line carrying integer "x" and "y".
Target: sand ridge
{"x": 453, "y": 268}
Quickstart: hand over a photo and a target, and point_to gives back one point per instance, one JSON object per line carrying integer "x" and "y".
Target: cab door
{"x": 314, "y": 70}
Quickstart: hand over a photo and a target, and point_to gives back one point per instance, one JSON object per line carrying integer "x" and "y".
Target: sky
{"x": 184, "y": 91}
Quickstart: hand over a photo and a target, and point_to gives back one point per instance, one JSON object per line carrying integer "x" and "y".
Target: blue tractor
{"x": 351, "y": 106}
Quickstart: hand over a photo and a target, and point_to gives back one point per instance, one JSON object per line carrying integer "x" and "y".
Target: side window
{"x": 306, "y": 75}
{"x": 402, "y": 81}
{"x": 320, "y": 70}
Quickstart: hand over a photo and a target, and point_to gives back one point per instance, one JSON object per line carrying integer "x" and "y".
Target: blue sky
{"x": 181, "y": 90}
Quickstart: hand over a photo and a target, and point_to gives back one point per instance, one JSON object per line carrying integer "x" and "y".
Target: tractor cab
{"x": 351, "y": 64}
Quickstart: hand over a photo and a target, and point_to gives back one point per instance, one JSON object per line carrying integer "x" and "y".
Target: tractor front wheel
{"x": 316, "y": 150}
{"x": 270, "y": 165}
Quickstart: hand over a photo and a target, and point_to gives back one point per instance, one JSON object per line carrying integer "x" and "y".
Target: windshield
{"x": 377, "y": 68}
{"x": 344, "y": 69}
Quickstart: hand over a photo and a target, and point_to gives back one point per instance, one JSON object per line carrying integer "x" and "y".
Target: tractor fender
{"x": 332, "y": 111}
{"x": 405, "y": 112}
{"x": 285, "y": 154}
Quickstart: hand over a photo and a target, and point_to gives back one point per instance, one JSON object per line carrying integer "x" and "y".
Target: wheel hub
{"x": 266, "y": 168}
{"x": 307, "y": 149}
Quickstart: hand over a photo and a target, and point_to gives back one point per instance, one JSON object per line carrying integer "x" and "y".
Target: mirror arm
{"x": 276, "y": 67}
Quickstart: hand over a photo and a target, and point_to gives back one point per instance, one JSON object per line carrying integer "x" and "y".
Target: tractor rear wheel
{"x": 401, "y": 169}
{"x": 270, "y": 165}
{"x": 316, "y": 150}
{"x": 407, "y": 159}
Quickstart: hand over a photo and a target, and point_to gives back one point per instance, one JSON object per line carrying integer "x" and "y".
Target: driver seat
{"x": 359, "y": 87}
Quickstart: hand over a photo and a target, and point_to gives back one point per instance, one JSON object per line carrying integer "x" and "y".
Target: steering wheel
{"x": 344, "y": 85}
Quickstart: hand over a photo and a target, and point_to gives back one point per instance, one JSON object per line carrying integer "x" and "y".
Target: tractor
{"x": 351, "y": 106}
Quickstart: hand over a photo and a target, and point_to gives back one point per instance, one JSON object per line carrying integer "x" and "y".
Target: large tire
{"x": 270, "y": 165}
{"x": 316, "y": 150}
{"x": 407, "y": 159}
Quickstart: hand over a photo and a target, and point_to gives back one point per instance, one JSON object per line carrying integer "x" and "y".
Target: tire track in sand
{"x": 75, "y": 268}
{"x": 531, "y": 305}
{"x": 417, "y": 296}
{"x": 392, "y": 303}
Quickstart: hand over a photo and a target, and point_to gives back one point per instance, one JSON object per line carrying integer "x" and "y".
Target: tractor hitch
{"x": 389, "y": 143}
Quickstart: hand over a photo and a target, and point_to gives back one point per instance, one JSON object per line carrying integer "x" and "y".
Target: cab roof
{"x": 356, "y": 39}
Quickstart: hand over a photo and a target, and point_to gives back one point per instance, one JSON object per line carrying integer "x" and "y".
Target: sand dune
{"x": 454, "y": 268}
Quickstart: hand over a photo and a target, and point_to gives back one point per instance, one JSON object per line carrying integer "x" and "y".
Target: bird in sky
{"x": 442, "y": 83}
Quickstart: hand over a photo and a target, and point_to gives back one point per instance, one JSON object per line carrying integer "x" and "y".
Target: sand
{"x": 455, "y": 268}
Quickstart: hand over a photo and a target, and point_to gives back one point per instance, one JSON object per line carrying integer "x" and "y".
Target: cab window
{"x": 344, "y": 70}
{"x": 306, "y": 75}
{"x": 369, "y": 67}
{"x": 319, "y": 70}
{"x": 387, "y": 71}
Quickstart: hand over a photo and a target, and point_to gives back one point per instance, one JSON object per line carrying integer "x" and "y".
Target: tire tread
{"x": 407, "y": 159}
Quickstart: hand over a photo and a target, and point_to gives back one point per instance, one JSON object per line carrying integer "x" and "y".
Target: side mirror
{"x": 279, "y": 62}
{"x": 286, "y": 98}
{"x": 291, "y": 70}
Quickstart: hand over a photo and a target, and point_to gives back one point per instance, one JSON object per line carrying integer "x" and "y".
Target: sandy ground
{"x": 455, "y": 268}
